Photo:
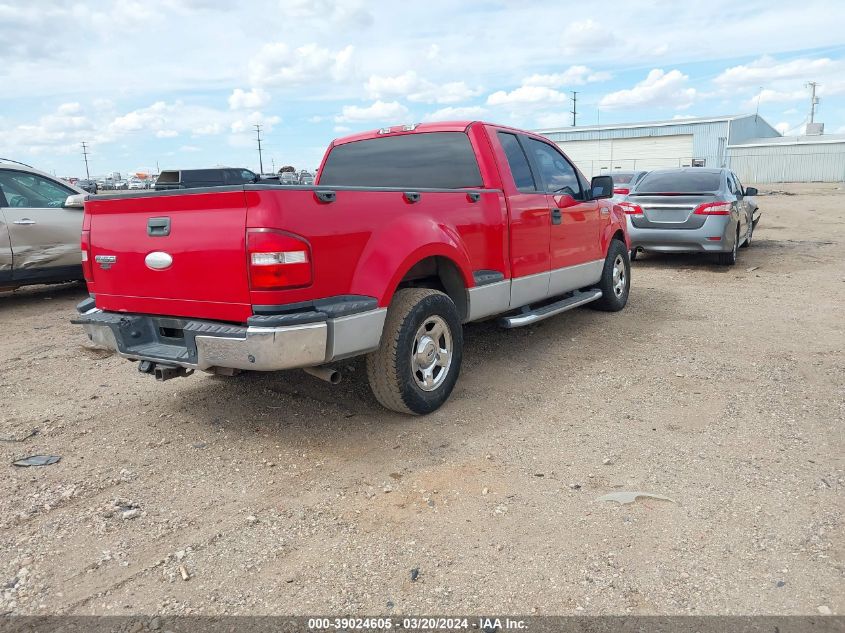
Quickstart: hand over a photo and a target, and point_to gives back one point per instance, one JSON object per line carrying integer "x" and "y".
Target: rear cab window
{"x": 426, "y": 160}
{"x": 680, "y": 182}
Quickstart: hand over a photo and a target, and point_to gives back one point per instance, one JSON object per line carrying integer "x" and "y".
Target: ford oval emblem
{"x": 158, "y": 260}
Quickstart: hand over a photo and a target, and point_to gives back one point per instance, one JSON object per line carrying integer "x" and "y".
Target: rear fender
{"x": 393, "y": 250}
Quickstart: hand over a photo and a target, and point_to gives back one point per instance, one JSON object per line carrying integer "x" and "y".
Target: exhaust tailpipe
{"x": 324, "y": 373}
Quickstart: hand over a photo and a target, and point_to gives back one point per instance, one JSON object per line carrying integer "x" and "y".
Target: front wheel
{"x": 615, "y": 282}
{"x": 417, "y": 364}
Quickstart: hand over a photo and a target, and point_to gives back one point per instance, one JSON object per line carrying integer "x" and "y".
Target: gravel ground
{"x": 720, "y": 388}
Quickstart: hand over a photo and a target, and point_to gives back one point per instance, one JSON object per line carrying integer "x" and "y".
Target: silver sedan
{"x": 691, "y": 210}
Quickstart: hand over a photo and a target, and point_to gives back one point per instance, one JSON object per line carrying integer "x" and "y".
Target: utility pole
{"x": 814, "y": 101}
{"x": 273, "y": 160}
{"x": 258, "y": 138}
{"x": 85, "y": 156}
{"x": 574, "y": 100}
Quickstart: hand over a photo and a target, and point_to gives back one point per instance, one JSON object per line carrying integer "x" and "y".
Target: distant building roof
{"x": 814, "y": 139}
{"x": 665, "y": 122}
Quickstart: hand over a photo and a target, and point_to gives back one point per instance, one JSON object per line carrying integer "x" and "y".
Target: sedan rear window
{"x": 680, "y": 182}
{"x": 437, "y": 160}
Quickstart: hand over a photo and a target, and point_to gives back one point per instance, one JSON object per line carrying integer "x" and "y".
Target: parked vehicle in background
{"x": 40, "y": 224}
{"x": 213, "y": 177}
{"x": 691, "y": 210}
{"x": 409, "y": 233}
{"x": 288, "y": 178}
{"x": 150, "y": 183}
{"x": 87, "y": 185}
{"x": 136, "y": 183}
{"x": 624, "y": 180}
{"x": 306, "y": 179}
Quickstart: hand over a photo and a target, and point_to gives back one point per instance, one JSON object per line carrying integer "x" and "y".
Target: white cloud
{"x": 385, "y": 112}
{"x": 782, "y": 127}
{"x": 254, "y": 99}
{"x": 278, "y": 64}
{"x": 766, "y": 70}
{"x": 585, "y": 36}
{"x": 342, "y": 129}
{"x": 456, "y": 114}
{"x": 572, "y": 76}
{"x": 414, "y": 88}
{"x": 342, "y": 13}
{"x": 658, "y": 89}
{"x": 526, "y": 95}
{"x": 166, "y": 133}
{"x": 247, "y": 123}
{"x": 190, "y": 148}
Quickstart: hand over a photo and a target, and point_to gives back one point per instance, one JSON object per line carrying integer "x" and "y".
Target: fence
{"x": 788, "y": 167}
{"x": 759, "y": 167}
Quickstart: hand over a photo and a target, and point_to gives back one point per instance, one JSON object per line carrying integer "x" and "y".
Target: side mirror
{"x": 76, "y": 201}
{"x": 751, "y": 191}
{"x": 601, "y": 187}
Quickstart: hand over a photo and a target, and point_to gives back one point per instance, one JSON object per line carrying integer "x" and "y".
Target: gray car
{"x": 624, "y": 180}
{"x": 40, "y": 227}
{"x": 691, "y": 210}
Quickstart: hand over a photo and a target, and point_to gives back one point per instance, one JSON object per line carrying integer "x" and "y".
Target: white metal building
{"x": 598, "y": 149}
{"x": 818, "y": 158}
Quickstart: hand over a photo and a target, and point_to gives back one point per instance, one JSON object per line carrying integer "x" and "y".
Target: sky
{"x": 161, "y": 84}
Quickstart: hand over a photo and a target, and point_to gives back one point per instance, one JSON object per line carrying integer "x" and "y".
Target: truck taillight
{"x": 713, "y": 208}
{"x": 631, "y": 209}
{"x": 85, "y": 246}
{"x": 622, "y": 191}
{"x": 277, "y": 260}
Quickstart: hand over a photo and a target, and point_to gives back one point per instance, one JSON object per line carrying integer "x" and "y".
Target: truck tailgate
{"x": 203, "y": 236}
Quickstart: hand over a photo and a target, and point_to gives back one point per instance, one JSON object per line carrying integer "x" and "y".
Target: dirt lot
{"x": 723, "y": 389}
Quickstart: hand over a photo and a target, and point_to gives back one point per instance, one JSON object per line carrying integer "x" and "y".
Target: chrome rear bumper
{"x": 205, "y": 345}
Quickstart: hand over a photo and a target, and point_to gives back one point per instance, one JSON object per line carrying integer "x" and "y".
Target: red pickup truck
{"x": 408, "y": 233}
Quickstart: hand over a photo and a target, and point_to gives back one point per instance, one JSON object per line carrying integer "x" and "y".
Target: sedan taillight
{"x": 277, "y": 260}
{"x": 630, "y": 208}
{"x": 713, "y": 208}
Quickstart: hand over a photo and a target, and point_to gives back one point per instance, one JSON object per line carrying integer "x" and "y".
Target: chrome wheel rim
{"x": 431, "y": 356}
{"x": 620, "y": 278}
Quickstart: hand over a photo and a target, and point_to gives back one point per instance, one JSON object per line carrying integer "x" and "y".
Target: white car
{"x": 136, "y": 184}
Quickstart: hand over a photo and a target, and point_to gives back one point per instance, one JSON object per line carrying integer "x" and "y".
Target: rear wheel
{"x": 417, "y": 364}
{"x": 729, "y": 258}
{"x": 615, "y": 280}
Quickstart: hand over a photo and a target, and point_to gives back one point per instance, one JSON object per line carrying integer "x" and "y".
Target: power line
{"x": 574, "y": 100}
{"x": 85, "y": 156}
{"x": 258, "y": 138}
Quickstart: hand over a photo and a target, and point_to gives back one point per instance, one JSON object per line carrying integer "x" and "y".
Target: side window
{"x": 739, "y": 186}
{"x": 518, "y": 163}
{"x": 732, "y": 185}
{"x": 22, "y": 189}
{"x": 558, "y": 175}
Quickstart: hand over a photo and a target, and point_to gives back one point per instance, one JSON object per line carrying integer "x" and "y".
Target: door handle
{"x": 24, "y": 221}
{"x": 556, "y": 217}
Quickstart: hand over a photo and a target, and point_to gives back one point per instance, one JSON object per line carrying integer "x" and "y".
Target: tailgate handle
{"x": 412, "y": 196}
{"x": 556, "y": 217}
{"x": 326, "y": 196}
{"x": 158, "y": 227}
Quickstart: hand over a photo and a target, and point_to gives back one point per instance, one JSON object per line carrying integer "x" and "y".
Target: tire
{"x": 614, "y": 291}
{"x": 729, "y": 258}
{"x": 409, "y": 382}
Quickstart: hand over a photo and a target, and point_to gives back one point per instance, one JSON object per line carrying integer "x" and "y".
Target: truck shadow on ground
{"x": 495, "y": 365}
{"x": 32, "y": 295}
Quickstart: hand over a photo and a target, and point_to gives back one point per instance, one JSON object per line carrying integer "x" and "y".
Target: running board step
{"x": 533, "y": 316}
